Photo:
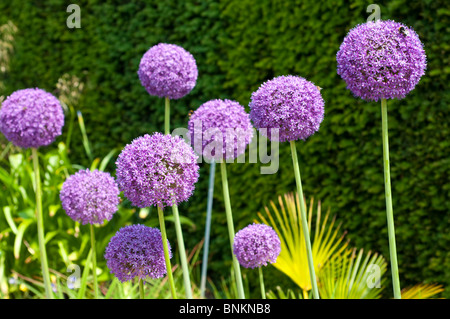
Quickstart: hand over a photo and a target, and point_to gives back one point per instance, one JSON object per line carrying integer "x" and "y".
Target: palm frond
{"x": 350, "y": 275}
{"x": 280, "y": 294}
{"x": 285, "y": 219}
{"x": 422, "y": 291}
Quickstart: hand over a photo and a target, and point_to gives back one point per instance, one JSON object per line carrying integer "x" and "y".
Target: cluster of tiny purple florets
{"x": 136, "y": 251}
{"x": 90, "y": 197}
{"x": 256, "y": 245}
{"x": 168, "y": 70}
{"x": 31, "y": 118}
{"x": 220, "y": 129}
{"x": 290, "y": 104}
{"x": 157, "y": 170}
{"x": 381, "y": 60}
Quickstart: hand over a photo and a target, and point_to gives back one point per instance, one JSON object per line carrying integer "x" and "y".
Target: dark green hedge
{"x": 239, "y": 44}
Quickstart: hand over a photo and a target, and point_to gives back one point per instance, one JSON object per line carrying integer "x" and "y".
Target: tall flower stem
{"x": 40, "y": 225}
{"x": 166, "y": 252}
{"x": 141, "y": 289}
{"x": 167, "y": 116}
{"x": 304, "y": 221}
{"x": 176, "y": 219}
{"x": 261, "y": 282}
{"x": 388, "y": 195}
{"x": 212, "y": 172}
{"x": 184, "y": 265}
{"x": 229, "y": 214}
{"x": 94, "y": 262}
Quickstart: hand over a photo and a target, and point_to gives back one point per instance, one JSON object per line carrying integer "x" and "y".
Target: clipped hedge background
{"x": 239, "y": 44}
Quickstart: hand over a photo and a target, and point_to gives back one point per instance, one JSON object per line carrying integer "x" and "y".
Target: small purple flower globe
{"x": 157, "y": 170}
{"x": 168, "y": 70}
{"x": 290, "y": 104}
{"x": 136, "y": 251}
{"x": 381, "y": 60}
{"x": 90, "y": 197}
{"x": 31, "y": 118}
{"x": 220, "y": 129}
{"x": 256, "y": 245}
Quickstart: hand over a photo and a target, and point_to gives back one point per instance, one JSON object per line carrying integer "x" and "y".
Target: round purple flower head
{"x": 290, "y": 104}
{"x": 168, "y": 70}
{"x": 31, "y": 118}
{"x": 157, "y": 170}
{"x": 220, "y": 129}
{"x": 90, "y": 197}
{"x": 256, "y": 245}
{"x": 381, "y": 60}
{"x": 136, "y": 251}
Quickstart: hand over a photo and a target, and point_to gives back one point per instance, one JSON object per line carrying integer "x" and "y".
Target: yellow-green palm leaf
{"x": 421, "y": 291}
{"x": 349, "y": 276}
{"x": 284, "y": 218}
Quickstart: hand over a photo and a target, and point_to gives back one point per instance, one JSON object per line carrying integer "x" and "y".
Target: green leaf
{"x": 9, "y": 219}
{"x": 84, "y": 277}
{"x": 106, "y": 159}
{"x": 19, "y": 236}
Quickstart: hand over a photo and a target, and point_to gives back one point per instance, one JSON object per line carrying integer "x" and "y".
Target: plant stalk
{"x": 167, "y": 116}
{"x": 304, "y": 221}
{"x": 183, "y": 258}
{"x": 212, "y": 172}
{"x": 166, "y": 252}
{"x": 40, "y": 225}
{"x": 261, "y": 282}
{"x": 226, "y": 195}
{"x": 94, "y": 262}
{"x": 388, "y": 195}
{"x": 176, "y": 219}
{"x": 141, "y": 289}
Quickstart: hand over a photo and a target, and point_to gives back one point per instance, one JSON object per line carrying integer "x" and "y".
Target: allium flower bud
{"x": 168, "y": 70}
{"x": 381, "y": 60}
{"x": 290, "y": 104}
{"x": 157, "y": 170}
{"x": 31, "y": 118}
{"x": 136, "y": 251}
{"x": 90, "y": 197}
{"x": 256, "y": 245}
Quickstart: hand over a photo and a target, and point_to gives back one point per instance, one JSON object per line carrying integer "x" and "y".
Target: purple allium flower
{"x": 157, "y": 170}
{"x": 381, "y": 60}
{"x": 256, "y": 245}
{"x": 168, "y": 70}
{"x": 220, "y": 129}
{"x": 290, "y": 104}
{"x": 90, "y": 197}
{"x": 31, "y": 118}
{"x": 136, "y": 251}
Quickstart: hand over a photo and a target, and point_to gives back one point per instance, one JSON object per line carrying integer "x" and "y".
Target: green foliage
{"x": 238, "y": 44}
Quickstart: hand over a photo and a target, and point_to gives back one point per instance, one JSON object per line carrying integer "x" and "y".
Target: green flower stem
{"x": 388, "y": 195}
{"x": 69, "y": 132}
{"x": 261, "y": 282}
{"x": 86, "y": 144}
{"x": 94, "y": 262}
{"x": 176, "y": 218}
{"x": 166, "y": 252}
{"x": 141, "y": 289}
{"x": 304, "y": 221}
{"x": 167, "y": 116}
{"x": 184, "y": 264}
{"x": 40, "y": 225}
{"x": 226, "y": 195}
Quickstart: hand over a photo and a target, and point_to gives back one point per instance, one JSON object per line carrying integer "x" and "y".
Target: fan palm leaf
{"x": 350, "y": 275}
{"x": 284, "y": 217}
{"x": 421, "y": 291}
